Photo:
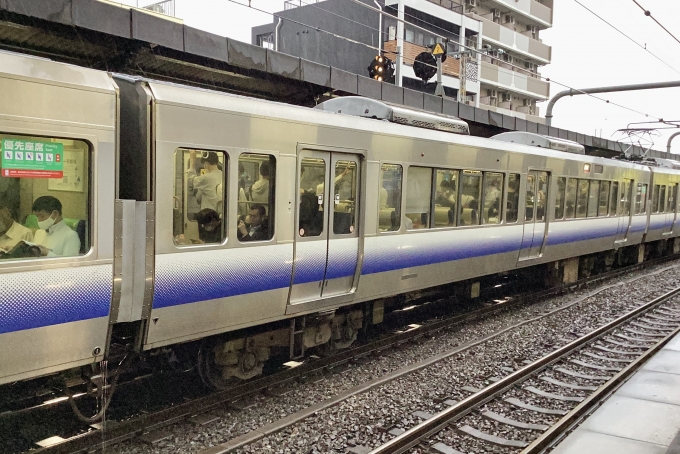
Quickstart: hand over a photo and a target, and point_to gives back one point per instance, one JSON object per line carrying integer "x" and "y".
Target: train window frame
{"x": 86, "y": 234}
{"x": 270, "y": 205}
{"x": 672, "y": 196}
{"x": 662, "y": 198}
{"x": 398, "y": 209}
{"x": 487, "y": 209}
{"x": 179, "y": 240}
{"x": 640, "y": 202}
{"x": 560, "y": 198}
{"x": 424, "y": 223}
{"x": 514, "y": 199}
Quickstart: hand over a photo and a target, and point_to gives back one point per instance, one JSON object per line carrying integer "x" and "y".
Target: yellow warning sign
{"x": 438, "y": 50}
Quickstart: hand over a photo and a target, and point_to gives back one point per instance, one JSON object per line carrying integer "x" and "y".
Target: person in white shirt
{"x": 61, "y": 240}
{"x": 259, "y": 191}
{"x": 205, "y": 186}
{"x": 11, "y": 232}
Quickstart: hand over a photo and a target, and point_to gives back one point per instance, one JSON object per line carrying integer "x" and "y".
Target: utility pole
{"x": 400, "y": 42}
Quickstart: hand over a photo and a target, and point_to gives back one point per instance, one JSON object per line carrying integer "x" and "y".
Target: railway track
{"x": 578, "y": 375}
{"x": 116, "y": 432}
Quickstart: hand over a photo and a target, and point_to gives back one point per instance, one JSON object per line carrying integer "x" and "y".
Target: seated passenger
{"x": 257, "y": 231}
{"x": 209, "y": 226}
{"x": 444, "y": 195}
{"x": 61, "y": 240}
{"x": 11, "y": 232}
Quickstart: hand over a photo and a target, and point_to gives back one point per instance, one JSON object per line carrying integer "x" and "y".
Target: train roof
{"x": 171, "y": 93}
{"x": 28, "y": 67}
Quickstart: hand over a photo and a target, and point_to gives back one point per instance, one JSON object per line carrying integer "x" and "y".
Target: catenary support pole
{"x": 574, "y": 92}
{"x": 668, "y": 145}
{"x": 380, "y": 36}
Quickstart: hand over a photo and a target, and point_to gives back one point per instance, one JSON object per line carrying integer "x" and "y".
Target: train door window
{"x": 613, "y": 200}
{"x": 662, "y": 199}
{"x": 560, "y": 197}
{"x": 512, "y": 205}
{"x": 493, "y": 197}
{"x": 389, "y": 216}
{"x": 672, "y": 197}
{"x": 199, "y": 197}
{"x": 257, "y": 184}
{"x": 593, "y": 198}
{"x": 344, "y": 197}
{"x": 640, "y": 199}
{"x": 542, "y": 196}
{"x": 470, "y": 195}
{"x": 418, "y": 197}
{"x": 655, "y": 199}
{"x": 44, "y": 197}
{"x": 530, "y": 198}
{"x": 446, "y": 182}
{"x": 627, "y": 196}
{"x": 604, "y": 198}
{"x": 582, "y": 198}
{"x": 312, "y": 178}
{"x": 570, "y": 206}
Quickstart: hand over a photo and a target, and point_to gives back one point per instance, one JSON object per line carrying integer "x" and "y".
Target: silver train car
{"x": 227, "y": 229}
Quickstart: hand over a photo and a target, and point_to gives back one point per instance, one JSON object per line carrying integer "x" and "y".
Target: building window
{"x": 409, "y": 35}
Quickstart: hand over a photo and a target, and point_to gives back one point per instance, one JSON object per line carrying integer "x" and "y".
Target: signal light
{"x": 381, "y": 69}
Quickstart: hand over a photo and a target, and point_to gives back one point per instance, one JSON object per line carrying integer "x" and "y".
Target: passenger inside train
{"x": 257, "y": 229}
{"x": 11, "y": 232}
{"x": 60, "y": 240}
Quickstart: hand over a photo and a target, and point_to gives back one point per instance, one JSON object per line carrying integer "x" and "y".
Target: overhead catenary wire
{"x": 649, "y": 14}
{"x": 628, "y": 37}
{"x": 440, "y": 36}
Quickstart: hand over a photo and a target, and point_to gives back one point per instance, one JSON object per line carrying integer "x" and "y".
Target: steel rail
{"x": 582, "y": 410}
{"x": 117, "y": 432}
{"x": 440, "y": 421}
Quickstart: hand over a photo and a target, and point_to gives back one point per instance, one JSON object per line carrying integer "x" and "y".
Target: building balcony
{"x": 507, "y": 37}
{"x": 451, "y": 67}
{"x": 532, "y": 11}
{"x": 508, "y": 78}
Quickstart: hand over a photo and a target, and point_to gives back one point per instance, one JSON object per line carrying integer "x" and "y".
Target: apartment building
{"x": 501, "y": 36}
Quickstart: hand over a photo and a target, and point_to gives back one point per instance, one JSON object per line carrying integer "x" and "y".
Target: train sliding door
{"x": 535, "y": 225}
{"x": 327, "y": 237}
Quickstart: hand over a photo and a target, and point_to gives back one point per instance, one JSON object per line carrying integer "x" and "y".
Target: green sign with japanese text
{"x": 32, "y": 159}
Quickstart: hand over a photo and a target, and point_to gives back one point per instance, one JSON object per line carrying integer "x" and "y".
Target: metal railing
{"x": 166, "y": 7}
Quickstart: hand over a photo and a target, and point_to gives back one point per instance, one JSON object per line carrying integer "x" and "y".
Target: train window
{"x": 582, "y": 198}
{"x": 593, "y": 198}
{"x": 470, "y": 194}
{"x": 512, "y": 205}
{"x": 312, "y": 178}
{"x": 446, "y": 198}
{"x": 493, "y": 196}
{"x": 613, "y": 200}
{"x": 641, "y": 199}
{"x": 530, "y": 198}
{"x": 655, "y": 199}
{"x": 570, "y": 207}
{"x": 662, "y": 199}
{"x": 418, "y": 197}
{"x": 389, "y": 217}
{"x": 344, "y": 197}
{"x": 626, "y": 195}
{"x": 604, "y": 198}
{"x": 672, "y": 194}
{"x": 541, "y": 196}
{"x": 559, "y": 197}
{"x": 257, "y": 182}
{"x": 44, "y": 197}
{"x": 198, "y": 197}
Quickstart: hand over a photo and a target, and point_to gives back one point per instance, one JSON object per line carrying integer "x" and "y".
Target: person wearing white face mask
{"x": 61, "y": 240}
{"x": 11, "y": 232}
